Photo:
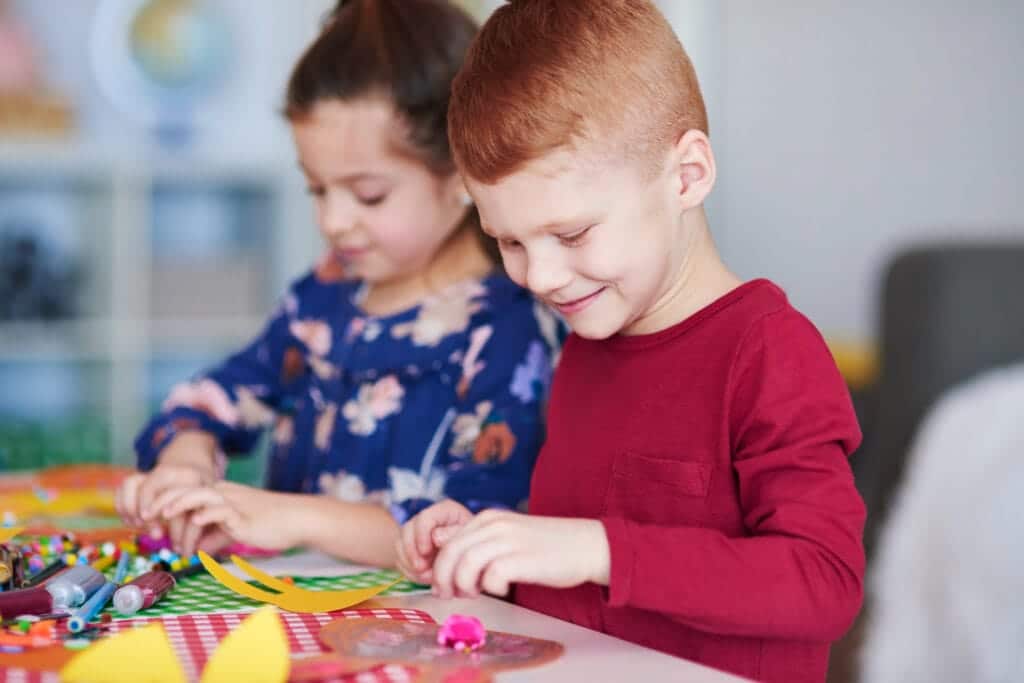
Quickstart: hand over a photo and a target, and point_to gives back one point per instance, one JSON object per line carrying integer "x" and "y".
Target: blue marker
{"x": 81, "y": 617}
{"x": 122, "y": 568}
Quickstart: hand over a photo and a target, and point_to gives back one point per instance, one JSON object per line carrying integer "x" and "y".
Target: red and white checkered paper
{"x": 195, "y": 637}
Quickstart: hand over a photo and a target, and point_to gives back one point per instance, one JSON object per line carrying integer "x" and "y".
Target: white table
{"x": 589, "y": 656}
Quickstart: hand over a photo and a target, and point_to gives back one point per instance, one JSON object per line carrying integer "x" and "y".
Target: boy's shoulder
{"x": 765, "y": 311}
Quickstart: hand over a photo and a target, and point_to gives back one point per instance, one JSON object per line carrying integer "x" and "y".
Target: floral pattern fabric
{"x": 444, "y": 400}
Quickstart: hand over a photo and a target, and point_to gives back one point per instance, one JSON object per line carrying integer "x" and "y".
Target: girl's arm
{"x": 237, "y": 400}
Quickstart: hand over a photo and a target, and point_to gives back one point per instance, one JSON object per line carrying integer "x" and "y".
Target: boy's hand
{"x": 497, "y": 549}
{"x": 245, "y": 514}
{"x": 423, "y": 535}
{"x": 188, "y": 461}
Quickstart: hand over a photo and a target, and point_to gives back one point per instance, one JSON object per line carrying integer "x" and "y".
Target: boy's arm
{"x": 798, "y": 573}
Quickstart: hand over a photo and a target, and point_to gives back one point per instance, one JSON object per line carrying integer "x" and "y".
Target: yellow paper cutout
{"x": 137, "y": 655}
{"x": 261, "y": 576}
{"x": 255, "y": 652}
{"x": 293, "y": 599}
{"x": 7, "y": 533}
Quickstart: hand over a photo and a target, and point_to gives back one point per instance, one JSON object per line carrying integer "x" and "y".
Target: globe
{"x": 177, "y": 44}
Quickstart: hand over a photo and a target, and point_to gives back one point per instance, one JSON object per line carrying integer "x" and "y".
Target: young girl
{"x": 406, "y": 368}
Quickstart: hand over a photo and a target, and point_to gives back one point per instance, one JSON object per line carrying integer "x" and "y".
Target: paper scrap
{"x": 138, "y": 655}
{"x": 255, "y": 652}
{"x": 9, "y": 532}
{"x": 290, "y": 597}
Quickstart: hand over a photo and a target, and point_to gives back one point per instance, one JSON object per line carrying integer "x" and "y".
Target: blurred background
{"x": 151, "y": 210}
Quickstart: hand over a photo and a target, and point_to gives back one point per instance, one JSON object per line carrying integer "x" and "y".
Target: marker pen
{"x": 143, "y": 592}
{"x": 73, "y": 587}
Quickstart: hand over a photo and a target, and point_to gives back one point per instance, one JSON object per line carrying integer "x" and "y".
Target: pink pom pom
{"x": 461, "y": 632}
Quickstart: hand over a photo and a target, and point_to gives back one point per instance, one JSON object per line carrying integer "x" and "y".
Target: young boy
{"x": 694, "y": 494}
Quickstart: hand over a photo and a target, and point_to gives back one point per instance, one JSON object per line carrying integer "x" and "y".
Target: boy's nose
{"x": 545, "y": 276}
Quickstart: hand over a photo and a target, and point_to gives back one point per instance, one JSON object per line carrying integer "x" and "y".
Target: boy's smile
{"x": 600, "y": 243}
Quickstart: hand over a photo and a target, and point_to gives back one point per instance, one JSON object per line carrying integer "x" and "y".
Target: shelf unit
{"x": 181, "y": 258}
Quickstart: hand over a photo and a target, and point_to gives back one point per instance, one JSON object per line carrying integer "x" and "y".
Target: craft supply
{"x": 122, "y": 568}
{"x": 143, "y": 592}
{"x": 289, "y": 597}
{"x": 138, "y": 654}
{"x": 461, "y": 632}
{"x": 103, "y": 564}
{"x": 44, "y": 574}
{"x": 377, "y": 641}
{"x": 75, "y": 586}
{"x": 81, "y": 617}
{"x": 52, "y": 616}
{"x": 256, "y": 651}
{"x": 26, "y": 601}
{"x": 12, "y": 567}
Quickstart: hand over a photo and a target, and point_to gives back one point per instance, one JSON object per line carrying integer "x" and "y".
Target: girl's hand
{"x": 497, "y": 549}
{"x": 187, "y": 462}
{"x": 248, "y": 515}
{"x": 423, "y": 535}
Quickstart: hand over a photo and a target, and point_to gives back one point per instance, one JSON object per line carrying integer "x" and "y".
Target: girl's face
{"x": 382, "y": 211}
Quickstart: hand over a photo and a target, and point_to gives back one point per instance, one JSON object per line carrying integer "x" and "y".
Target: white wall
{"x": 845, "y": 131}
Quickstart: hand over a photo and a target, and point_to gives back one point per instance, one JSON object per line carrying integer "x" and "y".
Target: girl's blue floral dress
{"x": 444, "y": 400}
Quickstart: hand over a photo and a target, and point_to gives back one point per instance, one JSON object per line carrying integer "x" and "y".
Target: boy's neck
{"x": 461, "y": 258}
{"x": 700, "y": 279}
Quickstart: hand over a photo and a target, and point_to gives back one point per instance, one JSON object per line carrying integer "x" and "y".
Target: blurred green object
{"x": 34, "y": 445}
{"x": 30, "y": 445}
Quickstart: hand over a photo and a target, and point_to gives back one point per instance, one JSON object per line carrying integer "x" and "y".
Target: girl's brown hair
{"x": 407, "y": 51}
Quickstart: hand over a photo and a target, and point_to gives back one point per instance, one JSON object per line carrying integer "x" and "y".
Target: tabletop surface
{"x": 589, "y": 656}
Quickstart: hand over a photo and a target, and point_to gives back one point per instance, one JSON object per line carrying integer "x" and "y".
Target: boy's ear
{"x": 693, "y": 168}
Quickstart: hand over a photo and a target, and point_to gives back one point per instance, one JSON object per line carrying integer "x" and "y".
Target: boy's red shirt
{"x": 715, "y": 453}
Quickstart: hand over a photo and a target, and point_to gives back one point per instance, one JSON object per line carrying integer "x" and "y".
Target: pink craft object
{"x": 461, "y": 632}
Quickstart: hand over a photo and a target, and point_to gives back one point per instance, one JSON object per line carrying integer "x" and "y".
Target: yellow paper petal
{"x": 294, "y": 599}
{"x": 255, "y": 652}
{"x": 7, "y": 533}
{"x": 137, "y": 655}
{"x": 261, "y": 576}
{"x": 231, "y": 581}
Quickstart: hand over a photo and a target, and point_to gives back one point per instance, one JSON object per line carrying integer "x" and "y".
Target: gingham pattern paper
{"x": 203, "y": 594}
{"x": 195, "y": 637}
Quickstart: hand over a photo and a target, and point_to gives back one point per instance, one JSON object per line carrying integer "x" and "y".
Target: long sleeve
{"x": 236, "y": 400}
{"x": 797, "y": 570}
{"x": 481, "y": 446}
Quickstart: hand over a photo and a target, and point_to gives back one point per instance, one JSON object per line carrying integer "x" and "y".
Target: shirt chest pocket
{"x": 658, "y": 490}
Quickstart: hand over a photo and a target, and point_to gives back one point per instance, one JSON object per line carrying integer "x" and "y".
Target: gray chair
{"x": 948, "y": 313}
